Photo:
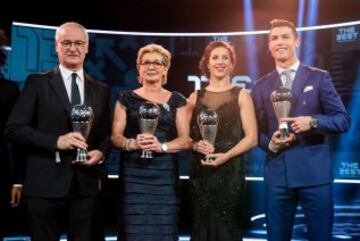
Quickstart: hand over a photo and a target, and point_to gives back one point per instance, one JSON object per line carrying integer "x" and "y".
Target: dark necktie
{"x": 288, "y": 78}
{"x": 75, "y": 94}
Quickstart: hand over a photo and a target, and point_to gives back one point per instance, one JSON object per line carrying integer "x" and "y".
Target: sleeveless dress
{"x": 218, "y": 194}
{"x": 149, "y": 201}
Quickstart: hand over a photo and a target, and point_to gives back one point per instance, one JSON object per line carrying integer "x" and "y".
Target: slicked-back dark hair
{"x": 283, "y": 23}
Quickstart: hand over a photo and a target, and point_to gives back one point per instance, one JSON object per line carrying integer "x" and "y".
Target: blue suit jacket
{"x": 307, "y": 162}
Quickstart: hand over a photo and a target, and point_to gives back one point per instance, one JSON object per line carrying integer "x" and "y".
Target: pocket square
{"x": 308, "y": 88}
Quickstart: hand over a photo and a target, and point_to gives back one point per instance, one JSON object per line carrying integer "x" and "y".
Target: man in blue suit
{"x": 298, "y": 169}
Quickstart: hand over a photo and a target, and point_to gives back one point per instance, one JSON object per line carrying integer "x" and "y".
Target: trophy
{"x": 208, "y": 121}
{"x": 148, "y": 119}
{"x": 81, "y": 118}
{"x": 281, "y": 100}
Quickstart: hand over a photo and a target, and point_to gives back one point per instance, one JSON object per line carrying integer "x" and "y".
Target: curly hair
{"x": 3, "y": 41}
{"x": 203, "y": 64}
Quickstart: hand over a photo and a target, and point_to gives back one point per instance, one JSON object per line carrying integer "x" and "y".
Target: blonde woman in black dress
{"x": 149, "y": 187}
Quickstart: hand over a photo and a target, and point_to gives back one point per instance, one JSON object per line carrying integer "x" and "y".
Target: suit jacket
{"x": 39, "y": 117}
{"x": 11, "y": 169}
{"x": 307, "y": 161}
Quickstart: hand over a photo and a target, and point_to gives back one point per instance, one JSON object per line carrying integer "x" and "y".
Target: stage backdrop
{"x": 112, "y": 59}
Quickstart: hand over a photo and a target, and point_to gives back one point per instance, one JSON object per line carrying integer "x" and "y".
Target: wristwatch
{"x": 164, "y": 147}
{"x": 313, "y": 123}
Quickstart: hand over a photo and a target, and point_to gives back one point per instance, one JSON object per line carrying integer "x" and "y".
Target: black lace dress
{"x": 219, "y": 210}
{"x": 149, "y": 201}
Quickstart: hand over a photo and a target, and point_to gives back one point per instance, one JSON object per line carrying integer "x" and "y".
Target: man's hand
{"x": 94, "y": 157}
{"x": 15, "y": 196}
{"x": 299, "y": 124}
{"x": 71, "y": 141}
{"x": 277, "y": 144}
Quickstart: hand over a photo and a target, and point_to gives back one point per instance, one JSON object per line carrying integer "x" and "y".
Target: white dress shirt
{"x": 293, "y": 67}
{"x": 66, "y": 75}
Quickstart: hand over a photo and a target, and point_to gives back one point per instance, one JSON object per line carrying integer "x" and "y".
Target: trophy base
{"x": 147, "y": 154}
{"x": 284, "y": 133}
{"x": 81, "y": 155}
{"x": 209, "y": 159}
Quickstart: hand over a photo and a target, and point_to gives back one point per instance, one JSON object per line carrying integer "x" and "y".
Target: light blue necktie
{"x": 288, "y": 78}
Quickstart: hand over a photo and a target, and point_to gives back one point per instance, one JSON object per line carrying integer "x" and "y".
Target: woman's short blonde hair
{"x": 155, "y": 48}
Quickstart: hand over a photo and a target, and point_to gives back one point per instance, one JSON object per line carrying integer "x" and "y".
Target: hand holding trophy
{"x": 81, "y": 117}
{"x": 208, "y": 121}
{"x": 281, "y": 100}
{"x": 149, "y": 113}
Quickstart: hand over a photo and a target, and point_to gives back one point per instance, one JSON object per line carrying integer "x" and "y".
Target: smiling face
{"x": 220, "y": 64}
{"x": 71, "y": 46}
{"x": 152, "y": 68}
{"x": 282, "y": 45}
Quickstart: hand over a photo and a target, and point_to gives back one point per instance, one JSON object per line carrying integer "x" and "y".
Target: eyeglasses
{"x": 155, "y": 64}
{"x": 67, "y": 43}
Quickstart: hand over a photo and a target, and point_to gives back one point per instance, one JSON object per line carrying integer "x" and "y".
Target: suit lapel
{"x": 300, "y": 80}
{"x": 273, "y": 83}
{"x": 89, "y": 92}
{"x": 59, "y": 87}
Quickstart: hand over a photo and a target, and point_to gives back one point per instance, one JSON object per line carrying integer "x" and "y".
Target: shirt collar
{"x": 293, "y": 67}
{"x": 66, "y": 73}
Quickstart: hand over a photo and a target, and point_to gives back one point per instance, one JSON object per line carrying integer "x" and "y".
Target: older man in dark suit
{"x": 54, "y": 184}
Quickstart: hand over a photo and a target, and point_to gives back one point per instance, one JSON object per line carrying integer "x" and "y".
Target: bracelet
{"x": 128, "y": 144}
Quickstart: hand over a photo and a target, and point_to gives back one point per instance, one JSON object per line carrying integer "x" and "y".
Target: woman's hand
{"x": 148, "y": 142}
{"x": 203, "y": 147}
{"x": 216, "y": 159}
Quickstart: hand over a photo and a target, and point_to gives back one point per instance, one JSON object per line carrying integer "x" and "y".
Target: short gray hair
{"x": 74, "y": 24}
